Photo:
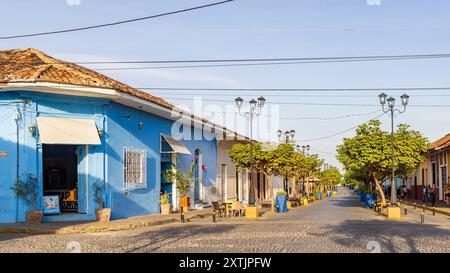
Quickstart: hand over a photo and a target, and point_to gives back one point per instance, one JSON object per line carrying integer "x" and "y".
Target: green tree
{"x": 367, "y": 155}
{"x": 330, "y": 177}
{"x": 281, "y": 160}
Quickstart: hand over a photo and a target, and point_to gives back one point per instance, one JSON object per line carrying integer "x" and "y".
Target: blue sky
{"x": 261, "y": 29}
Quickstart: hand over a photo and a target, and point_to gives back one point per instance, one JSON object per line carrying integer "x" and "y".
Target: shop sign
{"x": 51, "y": 204}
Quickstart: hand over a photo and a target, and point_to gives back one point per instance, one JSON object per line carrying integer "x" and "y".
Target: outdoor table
{"x": 227, "y": 205}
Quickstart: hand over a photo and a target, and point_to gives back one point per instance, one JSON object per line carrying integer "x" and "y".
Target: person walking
{"x": 433, "y": 195}
{"x": 425, "y": 195}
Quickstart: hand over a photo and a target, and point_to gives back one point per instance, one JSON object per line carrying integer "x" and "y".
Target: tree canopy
{"x": 330, "y": 177}
{"x": 367, "y": 155}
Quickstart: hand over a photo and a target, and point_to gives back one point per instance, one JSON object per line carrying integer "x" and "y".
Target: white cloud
{"x": 374, "y": 2}
{"x": 73, "y": 2}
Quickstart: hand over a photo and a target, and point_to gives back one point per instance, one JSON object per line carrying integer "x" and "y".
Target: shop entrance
{"x": 60, "y": 176}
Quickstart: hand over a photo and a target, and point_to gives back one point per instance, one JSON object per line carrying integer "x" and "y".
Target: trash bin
{"x": 369, "y": 201}
{"x": 281, "y": 203}
{"x": 362, "y": 197}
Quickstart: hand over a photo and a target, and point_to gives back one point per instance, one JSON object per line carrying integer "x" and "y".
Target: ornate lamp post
{"x": 391, "y": 109}
{"x": 254, "y": 111}
{"x": 286, "y": 137}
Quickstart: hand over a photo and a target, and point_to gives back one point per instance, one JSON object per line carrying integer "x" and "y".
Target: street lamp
{"x": 287, "y": 136}
{"x": 391, "y": 109}
{"x": 305, "y": 149}
{"x": 255, "y": 110}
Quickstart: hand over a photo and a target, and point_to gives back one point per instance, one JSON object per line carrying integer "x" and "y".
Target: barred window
{"x": 135, "y": 168}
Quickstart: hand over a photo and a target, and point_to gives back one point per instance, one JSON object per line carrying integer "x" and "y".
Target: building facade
{"x": 434, "y": 169}
{"x": 71, "y": 128}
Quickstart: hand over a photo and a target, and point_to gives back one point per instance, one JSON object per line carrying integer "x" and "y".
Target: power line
{"x": 256, "y": 64}
{"x": 288, "y": 95}
{"x": 322, "y": 104}
{"x": 260, "y": 60}
{"x": 114, "y": 23}
{"x": 341, "y": 132}
{"x": 300, "y": 89}
{"x": 289, "y": 118}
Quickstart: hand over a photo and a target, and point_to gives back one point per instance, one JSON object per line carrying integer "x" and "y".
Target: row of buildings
{"x": 432, "y": 171}
{"x": 71, "y": 127}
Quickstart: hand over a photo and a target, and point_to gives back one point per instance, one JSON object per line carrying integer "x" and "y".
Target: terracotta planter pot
{"x": 34, "y": 216}
{"x": 103, "y": 215}
{"x": 185, "y": 202}
{"x": 166, "y": 208}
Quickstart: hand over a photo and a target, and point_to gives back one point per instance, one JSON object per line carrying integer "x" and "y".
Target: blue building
{"x": 72, "y": 127}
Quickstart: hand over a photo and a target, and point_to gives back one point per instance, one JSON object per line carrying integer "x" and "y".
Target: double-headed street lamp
{"x": 391, "y": 109}
{"x": 304, "y": 149}
{"x": 254, "y": 111}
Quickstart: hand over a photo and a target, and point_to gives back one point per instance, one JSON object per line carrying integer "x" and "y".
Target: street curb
{"x": 437, "y": 210}
{"x": 96, "y": 228}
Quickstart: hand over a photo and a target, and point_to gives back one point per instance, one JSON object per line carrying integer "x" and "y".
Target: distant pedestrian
{"x": 404, "y": 192}
{"x": 425, "y": 195}
{"x": 433, "y": 196}
{"x": 447, "y": 194}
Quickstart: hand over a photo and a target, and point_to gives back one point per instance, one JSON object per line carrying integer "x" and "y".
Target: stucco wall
{"x": 105, "y": 161}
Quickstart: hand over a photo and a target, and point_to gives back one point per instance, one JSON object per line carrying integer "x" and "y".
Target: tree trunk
{"x": 378, "y": 186}
{"x": 272, "y": 200}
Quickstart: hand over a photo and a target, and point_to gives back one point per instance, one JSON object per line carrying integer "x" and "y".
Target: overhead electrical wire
{"x": 200, "y": 111}
{"x": 113, "y": 23}
{"x": 299, "y": 89}
{"x": 338, "y": 133}
{"x": 246, "y": 61}
{"x": 319, "y": 104}
{"x": 254, "y": 64}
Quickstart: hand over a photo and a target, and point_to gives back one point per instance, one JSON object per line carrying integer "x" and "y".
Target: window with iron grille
{"x": 135, "y": 168}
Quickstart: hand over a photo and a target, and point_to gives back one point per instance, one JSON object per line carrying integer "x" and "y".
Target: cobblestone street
{"x": 339, "y": 224}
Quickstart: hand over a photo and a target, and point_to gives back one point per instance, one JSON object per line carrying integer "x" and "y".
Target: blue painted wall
{"x": 105, "y": 160}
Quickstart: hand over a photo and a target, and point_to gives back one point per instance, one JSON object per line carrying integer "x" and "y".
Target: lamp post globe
{"x": 382, "y": 98}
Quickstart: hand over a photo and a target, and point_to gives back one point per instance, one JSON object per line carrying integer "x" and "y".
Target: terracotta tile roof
{"x": 31, "y": 66}
{"x": 440, "y": 143}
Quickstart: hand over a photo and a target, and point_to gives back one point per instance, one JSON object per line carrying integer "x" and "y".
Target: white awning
{"x": 176, "y": 146}
{"x": 67, "y": 131}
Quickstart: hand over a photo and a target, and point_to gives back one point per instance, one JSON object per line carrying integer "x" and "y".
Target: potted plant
{"x": 183, "y": 182}
{"x": 28, "y": 191}
{"x": 166, "y": 207}
{"x": 102, "y": 214}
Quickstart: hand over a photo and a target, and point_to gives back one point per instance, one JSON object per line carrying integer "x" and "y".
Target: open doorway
{"x": 60, "y": 175}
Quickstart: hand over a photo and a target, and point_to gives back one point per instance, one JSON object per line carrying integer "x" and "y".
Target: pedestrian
{"x": 433, "y": 195}
{"x": 389, "y": 191}
{"x": 447, "y": 194}
{"x": 428, "y": 193}
{"x": 425, "y": 195}
{"x": 404, "y": 192}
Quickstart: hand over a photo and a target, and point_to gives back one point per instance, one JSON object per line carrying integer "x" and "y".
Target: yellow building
{"x": 434, "y": 169}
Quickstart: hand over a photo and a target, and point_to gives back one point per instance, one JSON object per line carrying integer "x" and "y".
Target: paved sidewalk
{"x": 92, "y": 226}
